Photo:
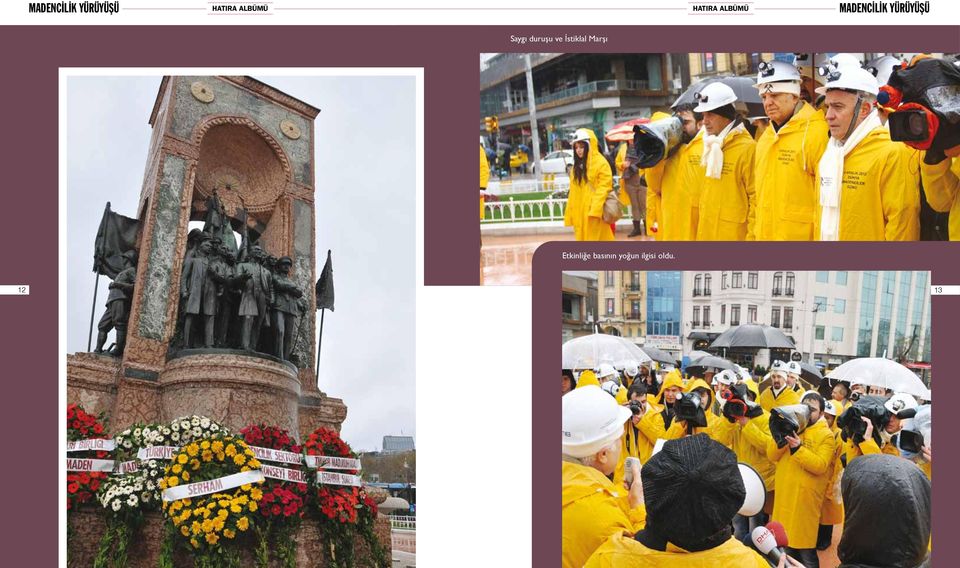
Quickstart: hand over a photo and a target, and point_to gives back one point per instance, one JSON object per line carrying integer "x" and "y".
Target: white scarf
{"x": 831, "y": 176}
{"x": 713, "y": 149}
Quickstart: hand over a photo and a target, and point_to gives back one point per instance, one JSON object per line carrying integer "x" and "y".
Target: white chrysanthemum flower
{"x": 185, "y": 424}
{"x": 146, "y": 496}
{"x": 116, "y": 505}
{"x": 150, "y": 485}
{"x": 195, "y": 420}
{"x": 175, "y": 426}
{"x": 127, "y": 444}
{"x": 166, "y": 431}
{"x": 205, "y": 422}
{"x": 137, "y": 433}
{"x": 175, "y": 436}
{"x": 197, "y": 432}
{"x": 132, "y": 500}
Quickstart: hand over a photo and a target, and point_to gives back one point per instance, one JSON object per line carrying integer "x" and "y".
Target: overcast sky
{"x": 365, "y": 199}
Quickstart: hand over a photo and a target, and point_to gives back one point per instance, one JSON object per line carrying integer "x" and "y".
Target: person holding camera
{"x": 670, "y": 390}
{"x": 673, "y": 188}
{"x": 885, "y": 422}
{"x": 778, "y": 393}
{"x": 642, "y": 426}
{"x": 803, "y": 460}
{"x": 593, "y": 507}
{"x": 832, "y": 511}
{"x": 693, "y": 414}
{"x": 941, "y": 184}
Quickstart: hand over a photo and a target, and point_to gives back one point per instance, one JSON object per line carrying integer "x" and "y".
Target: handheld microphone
{"x": 769, "y": 540}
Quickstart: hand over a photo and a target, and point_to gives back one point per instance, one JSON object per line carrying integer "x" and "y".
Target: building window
{"x": 787, "y": 318}
{"x": 839, "y": 306}
{"x": 609, "y": 306}
{"x": 837, "y": 334}
{"x": 775, "y": 317}
{"x": 706, "y": 284}
{"x": 735, "y": 314}
{"x": 868, "y": 305}
{"x": 635, "y": 309}
{"x": 608, "y": 279}
{"x": 791, "y": 279}
{"x": 706, "y": 316}
{"x": 752, "y": 278}
{"x": 819, "y": 304}
{"x": 708, "y": 61}
{"x": 723, "y": 314}
{"x": 751, "y": 314}
{"x": 842, "y": 278}
{"x": 696, "y": 285}
{"x": 696, "y": 316}
{"x": 737, "y": 280}
{"x": 818, "y": 332}
{"x": 723, "y": 280}
{"x": 634, "y": 281}
{"x": 777, "y": 283}
{"x": 823, "y": 277}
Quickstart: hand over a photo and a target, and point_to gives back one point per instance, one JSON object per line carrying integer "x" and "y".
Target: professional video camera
{"x": 788, "y": 421}
{"x": 655, "y": 140}
{"x": 736, "y": 404}
{"x": 687, "y": 408}
{"x": 851, "y": 422}
{"x": 925, "y": 97}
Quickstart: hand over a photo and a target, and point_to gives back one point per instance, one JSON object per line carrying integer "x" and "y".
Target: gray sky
{"x": 365, "y": 199}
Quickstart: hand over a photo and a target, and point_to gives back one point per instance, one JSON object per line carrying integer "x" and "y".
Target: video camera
{"x": 687, "y": 408}
{"x": 655, "y": 140}
{"x": 788, "y": 421}
{"x": 925, "y": 97}
{"x": 851, "y": 422}
{"x": 737, "y": 404}
{"x": 636, "y": 408}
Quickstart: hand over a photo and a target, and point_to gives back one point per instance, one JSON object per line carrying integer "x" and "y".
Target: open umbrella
{"x": 753, "y": 336}
{"x": 659, "y": 355}
{"x": 743, "y": 87}
{"x": 699, "y": 366}
{"x": 811, "y": 374}
{"x": 624, "y": 131}
{"x": 589, "y": 351}
{"x": 883, "y": 373}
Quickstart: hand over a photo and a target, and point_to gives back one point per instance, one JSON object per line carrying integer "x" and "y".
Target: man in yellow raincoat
{"x": 787, "y": 155}
{"x": 593, "y": 507}
{"x": 803, "y": 467}
{"x": 671, "y": 387}
{"x": 727, "y": 197}
{"x": 832, "y": 511}
{"x": 673, "y": 186}
{"x": 680, "y": 428}
{"x": 642, "y": 430}
{"x": 941, "y": 182}
{"x": 590, "y": 181}
{"x": 868, "y": 445}
{"x": 864, "y": 190}
{"x": 778, "y": 393}
{"x": 693, "y": 490}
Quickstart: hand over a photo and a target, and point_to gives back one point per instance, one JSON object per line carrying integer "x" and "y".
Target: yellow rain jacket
{"x": 728, "y": 205}
{"x": 484, "y": 176}
{"x": 749, "y": 442}
{"x": 638, "y": 440}
{"x": 673, "y": 379}
{"x": 673, "y": 193}
{"x": 801, "y": 483}
{"x": 877, "y": 200}
{"x": 593, "y": 509}
{"x": 832, "y": 512}
{"x": 585, "y": 201}
{"x": 786, "y": 180}
{"x": 854, "y": 450}
{"x": 588, "y": 377}
{"x": 678, "y": 429}
{"x": 942, "y": 186}
{"x": 623, "y": 551}
{"x": 786, "y": 397}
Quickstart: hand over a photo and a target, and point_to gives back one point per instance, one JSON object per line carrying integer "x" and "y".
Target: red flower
{"x": 73, "y": 487}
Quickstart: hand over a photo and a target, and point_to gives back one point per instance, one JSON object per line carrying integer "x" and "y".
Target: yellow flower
{"x": 256, "y": 494}
{"x": 177, "y": 468}
{"x": 207, "y": 525}
{"x": 196, "y": 527}
{"x": 223, "y": 503}
{"x": 207, "y": 455}
{"x": 252, "y": 506}
{"x": 182, "y": 458}
{"x": 186, "y": 476}
{"x": 163, "y": 484}
{"x": 254, "y": 463}
{"x": 192, "y": 449}
{"x": 229, "y": 533}
{"x": 239, "y": 459}
{"x": 235, "y": 508}
{"x": 242, "y": 500}
{"x": 194, "y": 542}
{"x": 231, "y": 450}
{"x": 195, "y": 464}
{"x": 220, "y": 456}
{"x": 184, "y": 530}
{"x": 172, "y": 481}
{"x": 212, "y": 538}
{"x": 186, "y": 502}
{"x": 205, "y": 445}
{"x": 222, "y": 514}
{"x": 217, "y": 446}
{"x": 243, "y": 523}
{"x": 245, "y": 468}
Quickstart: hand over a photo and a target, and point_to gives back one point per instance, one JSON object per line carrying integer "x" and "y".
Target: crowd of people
{"x": 819, "y": 164}
{"x": 651, "y": 477}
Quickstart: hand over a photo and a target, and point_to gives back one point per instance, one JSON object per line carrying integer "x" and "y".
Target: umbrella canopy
{"x": 624, "y": 131}
{"x": 589, "y": 351}
{"x": 883, "y": 373}
{"x": 699, "y": 366}
{"x": 753, "y": 336}
{"x": 659, "y": 355}
{"x": 743, "y": 87}
{"x": 811, "y": 374}
{"x": 694, "y": 355}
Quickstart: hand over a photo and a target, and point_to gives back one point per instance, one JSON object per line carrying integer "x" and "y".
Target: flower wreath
{"x": 282, "y": 506}
{"x": 82, "y": 486}
{"x": 208, "y": 517}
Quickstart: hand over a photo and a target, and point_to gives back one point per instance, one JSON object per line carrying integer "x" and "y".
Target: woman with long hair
{"x": 590, "y": 181}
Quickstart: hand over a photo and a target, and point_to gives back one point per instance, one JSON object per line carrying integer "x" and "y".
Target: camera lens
{"x": 916, "y": 124}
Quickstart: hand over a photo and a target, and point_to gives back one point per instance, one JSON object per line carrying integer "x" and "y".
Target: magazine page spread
{"x": 268, "y": 285}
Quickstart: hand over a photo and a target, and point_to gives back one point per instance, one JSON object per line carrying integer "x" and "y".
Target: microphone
{"x": 769, "y": 540}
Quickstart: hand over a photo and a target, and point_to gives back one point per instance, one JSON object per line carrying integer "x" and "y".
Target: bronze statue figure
{"x": 286, "y": 308}
{"x": 118, "y": 306}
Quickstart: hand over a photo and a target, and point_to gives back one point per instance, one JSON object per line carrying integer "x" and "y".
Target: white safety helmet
{"x": 611, "y": 388}
{"x": 606, "y": 370}
{"x": 900, "y": 401}
{"x": 714, "y": 96}
{"x": 807, "y": 64}
{"x": 882, "y": 68}
{"x": 849, "y": 78}
{"x": 591, "y": 420}
{"x": 794, "y": 368}
{"x": 778, "y": 367}
{"x": 581, "y": 135}
{"x": 775, "y": 72}
{"x": 743, "y": 374}
{"x": 831, "y": 407}
{"x": 726, "y": 377}
{"x": 844, "y": 59}
{"x": 631, "y": 369}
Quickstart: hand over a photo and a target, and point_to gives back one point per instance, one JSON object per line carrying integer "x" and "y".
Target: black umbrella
{"x": 753, "y": 336}
{"x": 659, "y": 355}
{"x": 743, "y": 87}
{"x": 811, "y": 374}
{"x": 699, "y": 366}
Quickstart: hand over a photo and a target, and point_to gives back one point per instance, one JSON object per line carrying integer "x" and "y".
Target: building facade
{"x": 664, "y": 311}
{"x": 579, "y": 291}
{"x": 621, "y": 302}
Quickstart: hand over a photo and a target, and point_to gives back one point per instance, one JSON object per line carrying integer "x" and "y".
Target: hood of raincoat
{"x": 592, "y": 148}
{"x": 673, "y": 379}
{"x": 702, "y": 384}
{"x": 588, "y": 377}
{"x": 887, "y": 513}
